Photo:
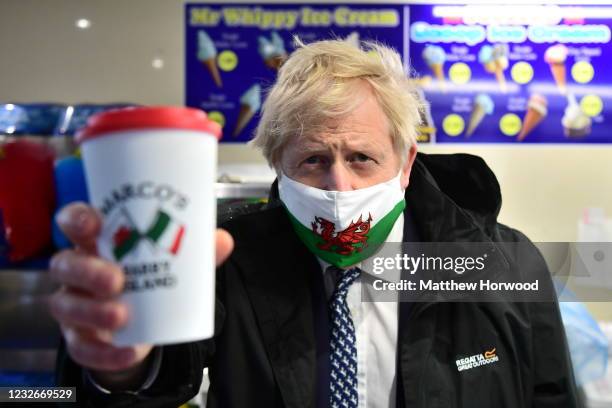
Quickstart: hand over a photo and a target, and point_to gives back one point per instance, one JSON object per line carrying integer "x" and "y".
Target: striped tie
{"x": 343, "y": 357}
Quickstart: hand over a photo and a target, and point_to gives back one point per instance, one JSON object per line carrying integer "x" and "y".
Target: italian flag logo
{"x": 164, "y": 233}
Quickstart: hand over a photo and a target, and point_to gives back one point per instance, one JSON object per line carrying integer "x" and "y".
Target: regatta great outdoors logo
{"x": 143, "y": 231}
{"x": 477, "y": 360}
{"x": 351, "y": 239}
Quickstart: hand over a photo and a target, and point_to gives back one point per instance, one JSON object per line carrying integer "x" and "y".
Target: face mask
{"x": 342, "y": 227}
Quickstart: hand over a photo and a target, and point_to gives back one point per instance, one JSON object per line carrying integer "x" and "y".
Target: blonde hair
{"x": 318, "y": 83}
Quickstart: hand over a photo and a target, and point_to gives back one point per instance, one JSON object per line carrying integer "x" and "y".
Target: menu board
{"x": 233, "y": 51}
{"x": 514, "y": 74}
{"x": 487, "y": 74}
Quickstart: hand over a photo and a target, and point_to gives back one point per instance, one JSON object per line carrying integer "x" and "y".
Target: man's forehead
{"x": 336, "y": 138}
{"x": 353, "y": 131}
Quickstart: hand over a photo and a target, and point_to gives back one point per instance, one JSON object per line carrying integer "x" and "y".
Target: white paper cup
{"x": 151, "y": 171}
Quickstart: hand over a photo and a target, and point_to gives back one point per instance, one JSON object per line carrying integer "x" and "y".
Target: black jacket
{"x": 265, "y": 351}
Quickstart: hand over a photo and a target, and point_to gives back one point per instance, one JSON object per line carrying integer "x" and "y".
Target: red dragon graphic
{"x": 343, "y": 242}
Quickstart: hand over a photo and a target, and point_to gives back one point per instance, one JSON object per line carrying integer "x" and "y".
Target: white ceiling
{"x": 44, "y": 57}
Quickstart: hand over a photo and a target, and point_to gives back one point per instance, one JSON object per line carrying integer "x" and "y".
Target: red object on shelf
{"x": 27, "y": 197}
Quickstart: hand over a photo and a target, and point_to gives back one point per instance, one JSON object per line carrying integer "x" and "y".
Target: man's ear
{"x": 407, "y": 167}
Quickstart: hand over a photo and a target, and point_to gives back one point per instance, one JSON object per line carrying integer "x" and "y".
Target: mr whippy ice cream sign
{"x": 234, "y": 51}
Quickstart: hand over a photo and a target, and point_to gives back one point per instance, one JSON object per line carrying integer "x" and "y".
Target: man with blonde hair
{"x": 338, "y": 126}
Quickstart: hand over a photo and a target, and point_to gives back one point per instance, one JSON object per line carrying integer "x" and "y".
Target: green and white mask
{"x": 342, "y": 227}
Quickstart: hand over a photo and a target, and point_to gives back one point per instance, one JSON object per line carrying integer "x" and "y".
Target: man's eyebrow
{"x": 363, "y": 145}
{"x": 314, "y": 147}
{"x": 352, "y": 144}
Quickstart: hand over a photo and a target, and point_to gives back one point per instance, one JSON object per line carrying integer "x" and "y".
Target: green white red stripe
{"x": 166, "y": 233}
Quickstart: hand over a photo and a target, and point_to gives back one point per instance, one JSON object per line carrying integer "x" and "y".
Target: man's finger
{"x": 81, "y": 224}
{"x": 72, "y": 309}
{"x": 95, "y": 275}
{"x": 224, "y": 246}
{"x": 90, "y": 351}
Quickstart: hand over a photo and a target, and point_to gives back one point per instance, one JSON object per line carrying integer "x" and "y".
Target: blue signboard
{"x": 515, "y": 74}
{"x": 490, "y": 74}
{"x": 233, "y": 51}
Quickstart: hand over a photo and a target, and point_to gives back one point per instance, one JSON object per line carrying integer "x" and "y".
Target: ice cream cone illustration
{"x": 250, "y": 102}
{"x": 485, "y": 57}
{"x": 537, "y": 109}
{"x": 495, "y": 61}
{"x": 272, "y": 50}
{"x": 435, "y": 57}
{"x": 207, "y": 54}
{"x": 575, "y": 122}
{"x": 555, "y": 56}
{"x": 501, "y": 79}
{"x": 483, "y": 105}
{"x": 500, "y": 54}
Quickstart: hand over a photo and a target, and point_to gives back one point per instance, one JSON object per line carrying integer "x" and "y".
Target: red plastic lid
{"x": 148, "y": 117}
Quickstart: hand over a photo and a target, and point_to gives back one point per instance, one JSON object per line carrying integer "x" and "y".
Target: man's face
{"x": 354, "y": 153}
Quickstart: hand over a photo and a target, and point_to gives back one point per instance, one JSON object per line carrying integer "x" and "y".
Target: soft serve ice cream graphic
{"x": 207, "y": 55}
{"x": 250, "y": 102}
{"x": 537, "y": 109}
{"x": 435, "y": 57}
{"x": 272, "y": 50}
{"x": 483, "y": 105}
{"x": 576, "y": 123}
{"x": 555, "y": 56}
{"x": 495, "y": 61}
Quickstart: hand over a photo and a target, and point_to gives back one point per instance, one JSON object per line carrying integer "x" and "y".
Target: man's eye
{"x": 313, "y": 160}
{"x": 360, "y": 157}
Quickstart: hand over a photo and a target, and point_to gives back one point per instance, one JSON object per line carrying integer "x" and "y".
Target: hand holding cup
{"x": 87, "y": 306}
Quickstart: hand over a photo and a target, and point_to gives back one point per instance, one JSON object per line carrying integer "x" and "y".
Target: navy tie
{"x": 343, "y": 350}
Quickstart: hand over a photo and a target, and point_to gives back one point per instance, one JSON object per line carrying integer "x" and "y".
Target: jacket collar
{"x": 467, "y": 216}
{"x": 456, "y": 187}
